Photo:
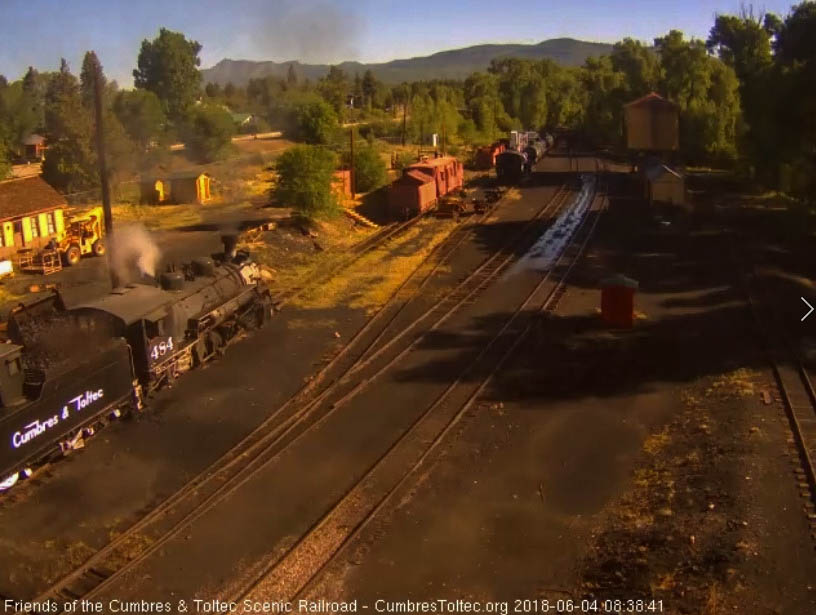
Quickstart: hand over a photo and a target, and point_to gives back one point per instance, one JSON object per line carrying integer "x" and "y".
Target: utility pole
{"x": 352, "y": 177}
{"x": 444, "y": 138}
{"x": 404, "y": 108}
{"x": 103, "y": 173}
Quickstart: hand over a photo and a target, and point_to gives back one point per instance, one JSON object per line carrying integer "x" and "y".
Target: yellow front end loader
{"x": 83, "y": 235}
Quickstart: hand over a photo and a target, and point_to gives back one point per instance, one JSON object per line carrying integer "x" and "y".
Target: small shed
{"x": 31, "y": 213}
{"x": 662, "y": 183}
{"x": 341, "y": 183}
{"x": 652, "y": 124}
{"x": 176, "y": 188}
{"x": 34, "y": 147}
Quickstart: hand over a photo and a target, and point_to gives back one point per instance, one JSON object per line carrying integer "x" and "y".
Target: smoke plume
{"x": 134, "y": 254}
{"x": 309, "y": 31}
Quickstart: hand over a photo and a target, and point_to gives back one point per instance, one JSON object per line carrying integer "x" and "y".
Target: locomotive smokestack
{"x": 230, "y": 245}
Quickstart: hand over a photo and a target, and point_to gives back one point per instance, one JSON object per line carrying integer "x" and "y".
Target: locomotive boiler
{"x": 65, "y": 371}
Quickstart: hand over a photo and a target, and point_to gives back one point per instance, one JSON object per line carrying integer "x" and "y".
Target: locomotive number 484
{"x": 159, "y": 347}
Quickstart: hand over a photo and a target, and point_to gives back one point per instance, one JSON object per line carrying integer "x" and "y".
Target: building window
{"x": 49, "y": 220}
{"x": 35, "y": 227}
{"x": 13, "y": 367}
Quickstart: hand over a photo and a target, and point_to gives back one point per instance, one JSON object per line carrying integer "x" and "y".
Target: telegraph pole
{"x": 404, "y": 109}
{"x": 352, "y": 177}
{"x": 103, "y": 173}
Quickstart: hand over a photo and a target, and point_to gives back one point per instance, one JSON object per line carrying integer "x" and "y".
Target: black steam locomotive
{"x": 525, "y": 150}
{"x": 64, "y": 371}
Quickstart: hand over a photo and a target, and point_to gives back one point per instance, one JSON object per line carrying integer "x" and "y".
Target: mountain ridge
{"x": 446, "y": 64}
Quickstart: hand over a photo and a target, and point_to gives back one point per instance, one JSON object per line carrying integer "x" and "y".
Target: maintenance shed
{"x": 662, "y": 183}
{"x": 176, "y": 188}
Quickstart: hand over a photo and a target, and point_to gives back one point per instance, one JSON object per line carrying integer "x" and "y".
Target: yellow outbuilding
{"x": 31, "y": 213}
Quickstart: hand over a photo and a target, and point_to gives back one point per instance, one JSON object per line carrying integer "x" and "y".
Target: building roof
{"x": 654, "y": 171}
{"x": 433, "y": 162}
{"x": 34, "y": 140}
{"x": 415, "y": 176}
{"x": 241, "y": 118}
{"x": 652, "y": 98}
{"x": 27, "y": 195}
{"x": 172, "y": 176}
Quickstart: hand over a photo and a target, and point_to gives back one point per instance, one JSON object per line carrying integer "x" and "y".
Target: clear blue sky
{"x": 39, "y": 32}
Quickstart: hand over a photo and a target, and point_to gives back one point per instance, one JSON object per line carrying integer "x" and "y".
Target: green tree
{"x": 796, "y": 83}
{"x": 71, "y": 161}
{"x": 208, "y": 134}
{"x": 212, "y": 90}
{"x": 91, "y": 70}
{"x": 603, "y": 108}
{"x": 369, "y": 169}
{"x": 334, "y": 87}
{"x": 140, "y": 113}
{"x": 305, "y": 176}
{"x": 707, "y": 92}
{"x": 640, "y": 66}
{"x": 168, "y": 67}
{"x": 369, "y": 87}
{"x": 744, "y": 43}
{"x": 317, "y": 122}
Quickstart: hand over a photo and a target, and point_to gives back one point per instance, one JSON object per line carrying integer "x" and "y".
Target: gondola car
{"x": 66, "y": 370}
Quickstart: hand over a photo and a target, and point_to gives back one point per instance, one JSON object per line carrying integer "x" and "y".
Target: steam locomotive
{"x": 66, "y": 371}
{"x": 526, "y": 148}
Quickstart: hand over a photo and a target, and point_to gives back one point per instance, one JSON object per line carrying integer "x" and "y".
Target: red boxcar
{"x": 486, "y": 156}
{"x": 422, "y": 184}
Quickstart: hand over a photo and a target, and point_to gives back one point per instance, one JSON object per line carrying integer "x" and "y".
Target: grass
{"x": 292, "y": 257}
{"x": 158, "y": 217}
{"x": 370, "y": 282}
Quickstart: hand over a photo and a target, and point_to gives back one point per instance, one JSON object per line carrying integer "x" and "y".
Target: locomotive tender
{"x": 67, "y": 370}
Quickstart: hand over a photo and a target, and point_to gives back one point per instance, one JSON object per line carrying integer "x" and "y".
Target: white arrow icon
{"x": 810, "y": 309}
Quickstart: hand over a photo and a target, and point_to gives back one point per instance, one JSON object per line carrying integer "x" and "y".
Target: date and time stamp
{"x": 439, "y": 606}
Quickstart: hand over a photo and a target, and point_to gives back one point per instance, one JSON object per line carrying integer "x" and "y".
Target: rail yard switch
{"x": 618, "y": 301}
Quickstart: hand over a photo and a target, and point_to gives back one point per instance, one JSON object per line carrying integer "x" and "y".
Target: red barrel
{"x": 618, "y": 301}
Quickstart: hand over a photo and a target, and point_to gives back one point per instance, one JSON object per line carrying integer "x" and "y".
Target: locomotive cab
{"x": 11, "y": 375}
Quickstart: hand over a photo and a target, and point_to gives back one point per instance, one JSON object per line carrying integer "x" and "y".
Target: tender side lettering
{"x": 40, "y": 426}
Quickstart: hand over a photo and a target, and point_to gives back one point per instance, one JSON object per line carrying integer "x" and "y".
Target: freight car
{"x": 66, "y": 370}
{"x": 422, "y": 185}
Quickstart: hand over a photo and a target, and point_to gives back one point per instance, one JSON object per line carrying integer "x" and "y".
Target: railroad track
{"x": 289, "y": 575}
{"x": 378, "y": 239}
{"x": 792, "y": 379}
{"x": 278, "y": 431}
{"x": 356, "y": 252}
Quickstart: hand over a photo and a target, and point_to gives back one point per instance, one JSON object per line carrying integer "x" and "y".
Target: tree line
{"x": 745, "y": 97}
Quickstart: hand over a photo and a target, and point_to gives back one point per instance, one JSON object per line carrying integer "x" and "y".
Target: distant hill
{"x": 452, "y": 64}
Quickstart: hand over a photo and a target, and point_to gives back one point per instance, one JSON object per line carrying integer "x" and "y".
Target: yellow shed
{"x": 176, "y": 188}
{"x": 31, "y": 213}
{"x": 652, "y": 124}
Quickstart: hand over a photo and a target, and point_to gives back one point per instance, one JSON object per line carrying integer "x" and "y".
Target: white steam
{"x": 133, "y": 253}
